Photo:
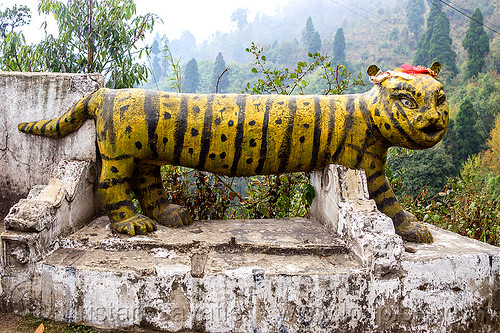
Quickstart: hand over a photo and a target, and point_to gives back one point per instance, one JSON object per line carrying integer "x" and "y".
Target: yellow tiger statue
{"x": 243, "y": 135}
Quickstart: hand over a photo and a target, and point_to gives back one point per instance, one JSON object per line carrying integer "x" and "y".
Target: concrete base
{"x": 287, "y": 275}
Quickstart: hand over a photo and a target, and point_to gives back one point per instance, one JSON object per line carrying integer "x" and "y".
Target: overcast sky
{"x": 201, "y": 17}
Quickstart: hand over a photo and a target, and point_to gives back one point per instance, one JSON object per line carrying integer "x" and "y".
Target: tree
{"x": 415, "y": 10}
{"x": 95, "y": 36}
{"x": 468, "y": 140}
{"x": 435, "y": 43}
{"x": 477, "y": 44}
{"x": 425, "y": 168}
{"x": 191, "y": 77}
{"x": 339, "y": 47}
{"x": 310, "y": 37}
{"x": 240, "y": 17}
{"x": 13, "y": 18}
{"x": 220, "y": 77}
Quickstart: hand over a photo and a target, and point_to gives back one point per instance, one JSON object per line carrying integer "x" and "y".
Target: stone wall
{"x": 26, "y": 160}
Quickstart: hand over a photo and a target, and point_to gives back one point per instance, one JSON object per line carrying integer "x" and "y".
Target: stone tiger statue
{"x": 243, "y": 135}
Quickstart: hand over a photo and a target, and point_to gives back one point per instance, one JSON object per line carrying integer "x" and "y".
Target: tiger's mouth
{"x": 432, "y": 130}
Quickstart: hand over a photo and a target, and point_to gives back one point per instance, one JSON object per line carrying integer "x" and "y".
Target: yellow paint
{"x": 242, "y": 135}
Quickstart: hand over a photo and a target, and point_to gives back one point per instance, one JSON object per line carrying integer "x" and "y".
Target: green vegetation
{"x": 339, "y": 47}
{"x": 435, "y": 43}
{"x": 191, "y": 77}
{"x": 94, "y": 37}
{"x": 310, "y": 37}
{"x": 477, "y": 44}
{"x": 415, "y": 10}
{"x": 220, "y": 77}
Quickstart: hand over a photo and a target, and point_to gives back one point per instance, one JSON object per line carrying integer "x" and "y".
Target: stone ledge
{"x": 184, "y": 279}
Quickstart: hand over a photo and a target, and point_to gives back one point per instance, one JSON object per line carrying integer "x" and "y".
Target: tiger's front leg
{"x": 115, "y": 191}
{"x": 148, "y": 188}
{"x": 406, "y": 224}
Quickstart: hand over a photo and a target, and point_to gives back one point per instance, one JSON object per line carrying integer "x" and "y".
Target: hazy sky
{"x": 202, "y": 17}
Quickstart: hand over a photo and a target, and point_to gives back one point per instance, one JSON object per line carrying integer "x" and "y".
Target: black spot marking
{"x": 377, "y": 112}
{"x": 122, "y": 215}
{"x": 249, "y": 161}
{"x": 387, "y": 126}
{"x": 142, "y": 180}
{"x": 128, "y": 130}
{"x": 419, "y": 118}
{"x": 251, "y": 123}
{"x": 419, "y": 94}
{"x": 230, "y": 123}
{"x": 302, "y": 139}
{"x": 138, "y": 145}
{"x": 306, "y": 103}
{"x": 212, "y": 156}
{"x": 124, "y": 108}
{"x": 217, "y": 121}
{"x": 191, "y": 151}
{"x": 167, "y": 115}
{"x": 278, "y": 121}
{"x": 446, "y": 113}
{"x": 114, "y": 169}
{"x": 372, "y": 166}
{"x": 253, "y": 143}
{"x": 222, "y": 155}
{"x": 223, "y": 138}
{"x": 225, "y": 166}
{"x": 194, "y": 132}
{"x": 306, "y": 125}
{"x": 196, "y": 109}
{"x": 165, "y": 140}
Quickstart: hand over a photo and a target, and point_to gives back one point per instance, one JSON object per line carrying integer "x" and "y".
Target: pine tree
{"x": 219, "y": 68}
{"x": 415, "y": 10}
{"x": 339, "y": 47}
{"x": 310, "y": 37}
{"x": 435, "y": 43}
{"x": 477, "y": 44}
{"x": 468, "y": 140}
{"x": 191, "y": 77}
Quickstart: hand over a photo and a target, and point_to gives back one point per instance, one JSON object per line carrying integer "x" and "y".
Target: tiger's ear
{"x": 436, "y": 67}
{"x": 372, "y": 70}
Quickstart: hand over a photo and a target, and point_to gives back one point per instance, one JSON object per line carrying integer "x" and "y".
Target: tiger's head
{"x": 409, "y": 105}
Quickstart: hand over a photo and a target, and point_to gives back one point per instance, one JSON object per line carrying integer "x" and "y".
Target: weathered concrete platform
{"x": 286, "y": 275}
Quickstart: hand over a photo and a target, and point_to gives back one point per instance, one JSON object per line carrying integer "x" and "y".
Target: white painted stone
{"x": 27, "y": 160}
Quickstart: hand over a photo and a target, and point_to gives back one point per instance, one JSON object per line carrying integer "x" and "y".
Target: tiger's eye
{"x": 441, "y": 99}
{"x": 407, "y": 103}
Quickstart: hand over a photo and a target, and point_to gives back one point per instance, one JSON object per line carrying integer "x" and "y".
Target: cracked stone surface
{"x": 27, "y": 160}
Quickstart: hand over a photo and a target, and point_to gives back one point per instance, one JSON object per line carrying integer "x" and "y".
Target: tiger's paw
{"x": 135, "y": 225}
{"x": 175, "y": 216}
{"x": 411, "y": 230}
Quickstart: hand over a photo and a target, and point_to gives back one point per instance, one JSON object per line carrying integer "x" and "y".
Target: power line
{"x": 445, "y": 17}
{"x": 349, "y": 9}
{"x": 470, "y": 17}
{"x": 470, "y": 13}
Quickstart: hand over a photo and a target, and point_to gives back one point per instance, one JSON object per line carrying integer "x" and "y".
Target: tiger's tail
{"x": 70, "y": 121}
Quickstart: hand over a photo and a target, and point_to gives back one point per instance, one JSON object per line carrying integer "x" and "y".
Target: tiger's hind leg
{"x": 148, "y": 188}
{"x": 114, "y": 190}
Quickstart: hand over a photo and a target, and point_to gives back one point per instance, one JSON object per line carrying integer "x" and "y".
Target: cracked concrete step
{"x": 284, "y": 246}
{"x": 297, "y": 235}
